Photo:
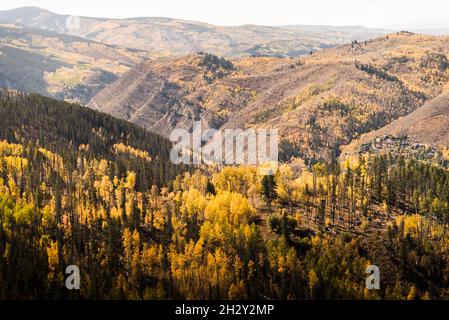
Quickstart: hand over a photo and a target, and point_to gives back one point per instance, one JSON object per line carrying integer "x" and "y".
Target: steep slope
{"x": 77, "y": 135}
{"x": 162, "y": 95}
{"x": 319, "y": 102}
{"x": 428, "y": 125}
{"x": 62, "y": 66}
{"x": 173, "y": 37}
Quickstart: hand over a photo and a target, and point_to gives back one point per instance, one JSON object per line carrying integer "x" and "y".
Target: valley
{"x": 87, "y": 178}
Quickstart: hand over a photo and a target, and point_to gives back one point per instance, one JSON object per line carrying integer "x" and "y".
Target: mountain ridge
{"x": 319, "y": 102}
{"x": 176, "y": 37}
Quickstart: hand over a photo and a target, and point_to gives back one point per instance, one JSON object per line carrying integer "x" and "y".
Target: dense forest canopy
{"x": 81, "y": 188}
{"x": 73, "y": 131}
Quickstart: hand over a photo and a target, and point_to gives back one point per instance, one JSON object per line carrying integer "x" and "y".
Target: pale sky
{"x": 371, "y": 13}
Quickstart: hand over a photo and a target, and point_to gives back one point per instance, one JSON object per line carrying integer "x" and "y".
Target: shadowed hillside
{"x": 72, "y": 131}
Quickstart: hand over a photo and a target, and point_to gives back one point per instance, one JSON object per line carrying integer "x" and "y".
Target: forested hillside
{"x": 61, "y": 66}
{"x": 318, "y": 102}
{"x": 77, "y": 134}
{"x": 81, "y": 188}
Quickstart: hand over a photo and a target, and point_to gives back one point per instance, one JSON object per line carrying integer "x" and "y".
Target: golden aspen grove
{"x": 78, "y": 187}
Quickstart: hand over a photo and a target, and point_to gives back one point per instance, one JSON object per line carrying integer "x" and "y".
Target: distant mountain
{"x": 174, "y": 37}
{"x": 435, "y": 28}
{"x": 62, "y": 66}
{"x": 433, "y": 31}
{"x": 318, "y": 102}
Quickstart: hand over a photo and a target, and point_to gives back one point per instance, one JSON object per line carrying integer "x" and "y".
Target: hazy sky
{"x": 373, "y": 13}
